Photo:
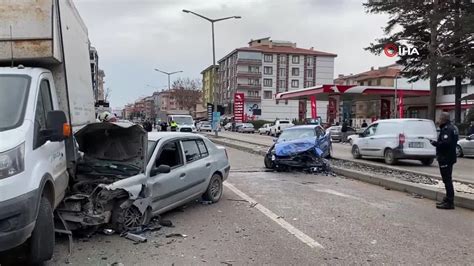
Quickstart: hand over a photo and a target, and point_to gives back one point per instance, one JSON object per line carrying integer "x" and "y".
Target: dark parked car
{"x": 299, "y": 147}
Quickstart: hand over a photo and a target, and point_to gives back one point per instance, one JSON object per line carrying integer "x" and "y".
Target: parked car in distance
{"x": 265, "y": 129}
{"x": 336, "y": 133}
{"x": 395, "y": 139}
{"x": 205, "y": 126}
{"x": 246, "y": 128}
{"x": 237, "y": 126}
{"x": 228, "y": 126}
{"x": 465, "y": 146}
{"x": 279, "y": 126}
{"x": 298, "y": 136}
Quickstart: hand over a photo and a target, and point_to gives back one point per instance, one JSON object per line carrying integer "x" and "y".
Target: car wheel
{"x": 214, "y": 190}
{"x": 41, "y": 242}
{"x": 389, "y": 157}
{"x": 427, "y": 162}
{"x": 268, "y": 162}
{"x": 356, "y": 152}
{"x": 459, "y": 152}
{"x": 124, "y": 219}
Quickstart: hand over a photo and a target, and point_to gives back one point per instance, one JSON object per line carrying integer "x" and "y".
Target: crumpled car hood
{"x": 294, "y": 147}
{"x": 121, "y": 142}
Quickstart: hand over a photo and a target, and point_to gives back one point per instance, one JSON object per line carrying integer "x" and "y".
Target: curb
{"x": 465, "y": 201}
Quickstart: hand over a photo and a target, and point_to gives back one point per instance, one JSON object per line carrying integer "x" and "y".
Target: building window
{"x": 449, "y": 90}
{"x": 268, "y": 58}
{"x": 282, "y": 59}
{"x": 309, "y": 73}
{"x": 254, "y": 82}
{"x": 282, "y": 72}
{"x": 253, "y": 93}
{"x": 295, "y": 59}
{"x": 268, "y": 70}
{"x": 370, "y": 83}
{"x": 295, "y": 71}
{"x": 267, "y": 95}
{"x": 295, "y": 83}
{"x": 267, "y": 82}
{"x": 282, "y": 84}
{"x": 379, "y": 82}
{"x": 309, "y": 60}
{"x": 254, "y": 69}
{"x": 308, "y": 84}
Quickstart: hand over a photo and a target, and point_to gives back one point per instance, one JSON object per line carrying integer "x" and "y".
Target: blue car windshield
{"x": 301, "y": 133}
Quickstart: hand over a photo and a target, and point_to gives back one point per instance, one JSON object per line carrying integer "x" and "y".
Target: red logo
{"x": 390, "y": 49}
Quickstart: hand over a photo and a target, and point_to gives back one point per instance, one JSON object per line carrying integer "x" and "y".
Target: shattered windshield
{"x": 13, "y": 97}
{"x": 288, "y": 135}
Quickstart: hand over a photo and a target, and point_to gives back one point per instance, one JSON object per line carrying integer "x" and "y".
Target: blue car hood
{"x": 294, "y": 147}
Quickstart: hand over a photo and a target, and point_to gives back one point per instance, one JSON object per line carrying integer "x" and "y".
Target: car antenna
{"x": 11, "y": 45}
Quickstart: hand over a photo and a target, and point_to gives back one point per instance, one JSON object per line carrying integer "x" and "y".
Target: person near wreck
{"x": 344, "y": 132}
{"x": 173, "y": 125}
{"x": 446, "y": 156}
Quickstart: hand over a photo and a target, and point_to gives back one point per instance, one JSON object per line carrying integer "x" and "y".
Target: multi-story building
{"x": 207, "y": 86}
{"x": 100, "y": 87}
{"x": 94, "y": 60}
{"x": 268, "y": 67}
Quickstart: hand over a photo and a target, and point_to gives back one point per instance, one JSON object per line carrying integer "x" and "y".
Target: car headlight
{"x": 12, "y": 162}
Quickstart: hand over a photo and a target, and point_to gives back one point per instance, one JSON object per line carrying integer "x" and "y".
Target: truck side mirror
{"x": 57, "y": 128}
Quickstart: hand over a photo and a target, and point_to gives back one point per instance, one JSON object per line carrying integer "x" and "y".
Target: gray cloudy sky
{"x": 135, "y": 36}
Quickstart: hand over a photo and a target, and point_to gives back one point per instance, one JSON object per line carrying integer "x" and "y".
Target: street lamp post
{"x": 169, "y": 75}
{"x": 213, "y": 54}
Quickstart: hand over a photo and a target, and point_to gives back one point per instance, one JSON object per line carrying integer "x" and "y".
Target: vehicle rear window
{"x": 202, "y": 148}
{"x": 191, "y": 150}
{"x": 419, "y": 128}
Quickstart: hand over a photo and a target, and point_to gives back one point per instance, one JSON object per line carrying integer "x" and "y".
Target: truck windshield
{"x": 13, "y": 97}
{"x": 183, "y": 120}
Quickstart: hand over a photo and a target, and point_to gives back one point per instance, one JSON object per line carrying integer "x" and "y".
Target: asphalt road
{"x": 462, "y": 169}
{"x": 300, "y": 219}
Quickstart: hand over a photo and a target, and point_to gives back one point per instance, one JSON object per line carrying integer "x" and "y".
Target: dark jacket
{"x": 344, "y": 127}
{"x": 471, "y": 130}
{"x": 446, "y": 144}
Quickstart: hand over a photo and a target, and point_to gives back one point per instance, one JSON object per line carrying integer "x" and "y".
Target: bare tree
{"x": 187, "y": 93}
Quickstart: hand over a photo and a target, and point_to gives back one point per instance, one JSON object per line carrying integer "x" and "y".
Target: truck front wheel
{"x": 41, "y": 242}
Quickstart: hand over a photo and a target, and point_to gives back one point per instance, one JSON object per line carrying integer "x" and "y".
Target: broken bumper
{"x": 17, "y": 220}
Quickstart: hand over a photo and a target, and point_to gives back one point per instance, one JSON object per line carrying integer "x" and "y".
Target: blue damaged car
{"x": 299, "y": 147}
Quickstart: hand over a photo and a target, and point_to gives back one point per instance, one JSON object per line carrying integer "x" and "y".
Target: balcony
{"x": 249, "y": 62}
{"x": 253, "y": 98}
{"x": 247, "y": 74}
{"x": 248, "y": 86}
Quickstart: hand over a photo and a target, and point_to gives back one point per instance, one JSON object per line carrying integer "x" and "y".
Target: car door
{"x": 367, "y": 143}
{"x": 324, "y": 140}
{"x": 470, "y": 146}
{"x": 168, "y": 188}
{"x": 197, "y": 165}
{"x": 54, "y": 151}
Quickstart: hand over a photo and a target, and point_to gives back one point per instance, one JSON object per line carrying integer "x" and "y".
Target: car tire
{"x": 268, "y": 162}
{"x": 125, "y": 219}
{"x": 459, "y": 152}
{"x": 41, "y": 243}
{"x": 389, "y": 157}
{"x": 356, "y": 152}
{"x": 427, "y": 162}
{"x": 214, "y": 189}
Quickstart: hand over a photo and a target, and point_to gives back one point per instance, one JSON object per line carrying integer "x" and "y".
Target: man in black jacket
{"x": 446, "y": 156}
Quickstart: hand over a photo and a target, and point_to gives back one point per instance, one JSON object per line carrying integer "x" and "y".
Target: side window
{"x": 202, "y": 148}
{"x": 170, "y": 155}
{"x": 44, "y": 104}
{"x": 371, "y": 130}
{"x": 191, "y": 150}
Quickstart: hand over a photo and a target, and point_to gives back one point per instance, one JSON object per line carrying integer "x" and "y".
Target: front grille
{"x": 186, "y": 130}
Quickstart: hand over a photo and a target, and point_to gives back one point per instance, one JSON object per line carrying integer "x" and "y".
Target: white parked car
{"x": 205, "y": 126}
{"x": 395, "y": 139}
{"x": 465, "y": 146}
{"x": 265, "y": 129}
{"x": 279, "y": 126}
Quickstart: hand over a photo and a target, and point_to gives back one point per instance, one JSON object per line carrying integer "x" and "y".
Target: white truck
{"x": 45, "y": 95}
{"x": 185, "y": 123}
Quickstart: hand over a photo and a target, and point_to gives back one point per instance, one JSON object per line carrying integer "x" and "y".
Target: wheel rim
{"x": 389, "y": 156}
{"x": 215, "y": 188}
{"x": 132, "y": 218}
{"x": 458, "y": 151}
{"x": 355, "y": 151}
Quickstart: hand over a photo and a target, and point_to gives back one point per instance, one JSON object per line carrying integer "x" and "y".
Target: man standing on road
{"x": 471, "y": 129}
{"x": 364, "y": 124}
{"x": 344, "y": 131}
{"x": 446, "y": 156}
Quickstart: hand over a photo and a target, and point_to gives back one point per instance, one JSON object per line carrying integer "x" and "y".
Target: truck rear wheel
{"x": 41, "y": 243}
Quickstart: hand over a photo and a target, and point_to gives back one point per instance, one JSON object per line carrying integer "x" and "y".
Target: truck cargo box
{"x": 52, "y": 35}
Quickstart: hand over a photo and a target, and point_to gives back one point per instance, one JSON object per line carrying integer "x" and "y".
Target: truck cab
{"x": 185, "y": 123}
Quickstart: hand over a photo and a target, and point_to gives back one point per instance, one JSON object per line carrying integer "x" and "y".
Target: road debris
{"x": 108, "y": 231}
{"x": 135, "y": 238}
{"x": 253, "y": 204}
{"x": 238, "y": 200}
{"x": 176, "y": 235}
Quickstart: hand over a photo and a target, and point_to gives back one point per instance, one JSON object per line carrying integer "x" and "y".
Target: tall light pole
{"x": 169, "y": 75}
{"x": 213, "y": 54}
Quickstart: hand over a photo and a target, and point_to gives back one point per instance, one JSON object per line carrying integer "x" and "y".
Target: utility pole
{"x": 169, "y": 76}
{"x": 214, "y": 72}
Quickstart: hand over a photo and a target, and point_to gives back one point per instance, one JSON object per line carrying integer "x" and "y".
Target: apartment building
{"x": 267, "y": 67}
{"x": 207, "y": 86}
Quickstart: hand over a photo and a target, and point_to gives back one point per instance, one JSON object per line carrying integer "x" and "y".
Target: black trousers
{"x": 447, "y": 175}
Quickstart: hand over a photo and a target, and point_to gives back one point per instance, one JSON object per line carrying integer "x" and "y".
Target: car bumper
{"x": 17, "y": 220}
{"x": 226, "y": 172}
{"x": 400, "y": 154}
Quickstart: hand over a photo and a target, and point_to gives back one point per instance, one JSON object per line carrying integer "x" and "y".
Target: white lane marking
{"x": 277, "y": 219}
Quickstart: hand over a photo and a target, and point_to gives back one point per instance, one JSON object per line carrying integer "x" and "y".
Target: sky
{"x": 133, "y": 37}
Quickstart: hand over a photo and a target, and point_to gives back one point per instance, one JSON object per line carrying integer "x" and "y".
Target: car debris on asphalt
{"x": 135, "y": 238}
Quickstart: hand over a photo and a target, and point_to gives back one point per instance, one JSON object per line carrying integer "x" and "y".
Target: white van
{"x": 395, "y": 139}
{"x": 185, "y": 122}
